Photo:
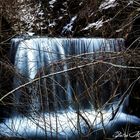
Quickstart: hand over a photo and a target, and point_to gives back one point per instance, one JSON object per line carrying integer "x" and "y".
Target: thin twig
{"x": 67, "y": 70}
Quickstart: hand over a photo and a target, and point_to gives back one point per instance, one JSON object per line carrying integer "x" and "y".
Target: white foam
{"x": 63, "y": 124}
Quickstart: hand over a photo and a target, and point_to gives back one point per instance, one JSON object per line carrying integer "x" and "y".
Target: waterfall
{"x": 72, "y": 88}
{"x": 31, "y": 54}
{"x": 67, "y": 88}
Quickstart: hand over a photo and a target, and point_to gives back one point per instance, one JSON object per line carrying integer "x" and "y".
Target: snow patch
{"x": 131, "y": 1}
{"x": 108, "y": 4}
{"x": 52, "y": 2}
{"x": 69, "y": 26}
{"x": 60, "y": 17}
{"x": 119, "y": 30}
{"x": 52, "y": 24}
{"x": 96, "y": 24}
{"x": 29, "y": 15}
{"x": 81, "y": 3}
{"x": 30, "y": 33}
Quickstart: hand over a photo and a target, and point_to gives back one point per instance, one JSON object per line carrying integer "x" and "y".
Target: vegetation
{"x": 70, "y": 18}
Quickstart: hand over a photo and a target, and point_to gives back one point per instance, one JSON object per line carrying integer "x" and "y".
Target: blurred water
{"x": 64, "y": 105}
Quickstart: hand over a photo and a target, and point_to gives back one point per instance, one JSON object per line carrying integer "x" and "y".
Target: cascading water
{"x": 56, "y": 54}
{"x": 71, "y": 83}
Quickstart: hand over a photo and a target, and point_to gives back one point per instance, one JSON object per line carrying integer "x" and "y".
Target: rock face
{"x": 70, "y": 18}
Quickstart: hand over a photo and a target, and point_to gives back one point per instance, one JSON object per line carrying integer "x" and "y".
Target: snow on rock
{"x": 29, "y": 16}
{"x": 70, "y": 17}
{"x": 131, "y": 2}
{"x": 52, "y": 2}
{"x": 30, "y": 33}
{"x": 108, "y": 4}
{"x": 69, "y": 26}
{"x": 52, "y": 24}
{"x": 96, "y": 24}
